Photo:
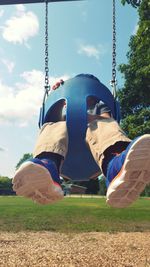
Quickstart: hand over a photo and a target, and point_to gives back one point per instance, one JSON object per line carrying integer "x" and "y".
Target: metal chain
{"x": 47, "y": 86}
{"x": 113, "y": 82}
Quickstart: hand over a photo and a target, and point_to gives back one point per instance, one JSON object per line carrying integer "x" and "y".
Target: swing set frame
{"x": 12, "y": 2}
{"x": 77, "y": 166}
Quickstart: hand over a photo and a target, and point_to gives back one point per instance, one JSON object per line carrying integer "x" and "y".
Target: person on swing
{"x": 125, "y": 163}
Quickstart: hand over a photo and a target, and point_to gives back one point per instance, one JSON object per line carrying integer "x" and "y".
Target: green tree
{"x": 92, "y": 186}
{"x": 134, "y": 3}
{"x": 102, "y": 184}
{"x": 135, "y": 95}
{"x": 24, "y": 158}
{"x": 146, "y": 192}
{"x": 6, "y": 186}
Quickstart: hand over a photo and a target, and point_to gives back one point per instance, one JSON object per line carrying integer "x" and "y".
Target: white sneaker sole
{"x": 133, "y": 177}
{"x": 34, "y": 181}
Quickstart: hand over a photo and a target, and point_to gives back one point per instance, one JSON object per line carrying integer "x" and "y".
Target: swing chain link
{"x": 113, "y": 82}
{"x": 47, "y": 86}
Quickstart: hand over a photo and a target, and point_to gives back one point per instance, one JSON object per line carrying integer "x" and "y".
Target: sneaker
{"x": 129, "y": 173}
{"x": 39, "y": 180}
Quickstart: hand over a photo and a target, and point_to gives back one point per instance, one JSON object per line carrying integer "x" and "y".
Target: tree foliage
{"x": 6, "y": 186}
{"x": 134, "y": 3}
{"x": 102, "y": 184}
{"x": 93, "y": 186}
{"x": 135, "y": 95}
{"x": 24, "y": 158}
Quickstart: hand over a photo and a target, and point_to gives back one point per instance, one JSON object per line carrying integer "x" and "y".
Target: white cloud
{"x": 21, "y": 27}
{"x": 91, "y": 50}
{"x": 20, "y": 104}
{"x": 20, "y": 8}
{"x": 9, "y": 65}
{"x": 1, "y": 12}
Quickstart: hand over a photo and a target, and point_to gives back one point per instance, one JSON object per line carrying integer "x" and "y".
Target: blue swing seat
{"x": 79, "y": 163}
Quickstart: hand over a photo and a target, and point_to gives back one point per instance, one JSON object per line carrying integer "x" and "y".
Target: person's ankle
{"x": 52, "y": 168}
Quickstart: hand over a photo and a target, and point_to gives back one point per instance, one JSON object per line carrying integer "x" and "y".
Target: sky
{"x": 80, "y": 41}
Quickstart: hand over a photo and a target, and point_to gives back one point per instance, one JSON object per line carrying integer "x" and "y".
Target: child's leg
{"x": 103, "y": 134}
{"x": 129, "y": 173}
{"x": 106, "y": 139}
{"x": 38, "y": 178}
{"x": 52, "y": 138}
{"x": 56, "y": 158}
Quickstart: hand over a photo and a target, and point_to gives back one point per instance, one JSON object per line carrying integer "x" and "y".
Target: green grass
{"x": 73, "y": 215}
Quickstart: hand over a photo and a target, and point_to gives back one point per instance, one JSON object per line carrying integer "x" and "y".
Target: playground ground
{"x": 48, "y": 249}
{"x": 74, "y": 233}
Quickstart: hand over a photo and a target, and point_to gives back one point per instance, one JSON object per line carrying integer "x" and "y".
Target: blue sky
{"x": 80, "y": 41}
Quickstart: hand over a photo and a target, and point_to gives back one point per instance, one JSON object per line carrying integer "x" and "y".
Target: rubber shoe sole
{"x": 34, "y": 181}
{"x": 130, "y": 182}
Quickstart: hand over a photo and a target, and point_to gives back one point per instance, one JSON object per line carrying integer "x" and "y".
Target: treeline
{"x": 98, "y": 187}
{"x": 6, "y": 186}
{"x": 94, "y": 187}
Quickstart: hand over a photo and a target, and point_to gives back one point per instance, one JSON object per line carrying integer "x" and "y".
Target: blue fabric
{"x": 50, "y": 166}
{"x": 116, "y": 164}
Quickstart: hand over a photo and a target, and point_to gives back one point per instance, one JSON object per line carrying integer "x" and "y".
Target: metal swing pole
{"x": 113, "y": 81}
{"x": 12, "y": 2}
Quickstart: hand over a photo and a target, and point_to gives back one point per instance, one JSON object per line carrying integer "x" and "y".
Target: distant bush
{"x": 146, "y": 192}
{"x": 6, "y": 186}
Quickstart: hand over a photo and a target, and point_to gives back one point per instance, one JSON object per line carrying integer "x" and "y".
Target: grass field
{"x": 73, "y": 215}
